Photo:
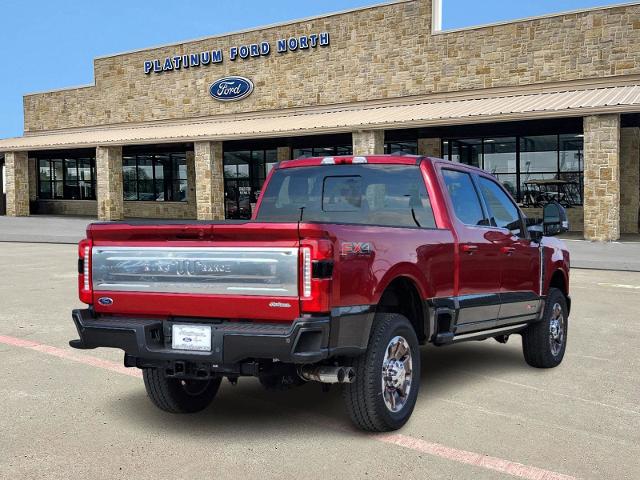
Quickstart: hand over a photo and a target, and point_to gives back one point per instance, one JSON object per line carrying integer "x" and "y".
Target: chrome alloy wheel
{"x": 397, "y": 374}
{"x": 556, "y": 330}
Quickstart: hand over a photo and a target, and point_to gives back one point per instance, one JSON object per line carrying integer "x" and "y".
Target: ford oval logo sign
{"x": 231, "y": 89}
{"x": 106, "y": 301}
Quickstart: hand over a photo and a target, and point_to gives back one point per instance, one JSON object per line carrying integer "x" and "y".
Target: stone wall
{"x": 209, "y": 181}
{"x": 80, "y": 208}
{"x": 166, "y": 210}
{"x": 368, "y": 142}
{"x": 283, "y": 153}
{"x": 602, "y": 177}
{"x": 17, "y": 173}
{"x": 430, "y": 147}
{"x": 629, "y": 179}
{"x": 375, "y": 53}
{"x": 109, "y": 183}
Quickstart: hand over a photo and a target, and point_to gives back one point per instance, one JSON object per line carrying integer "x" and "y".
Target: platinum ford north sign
{"x": 243, "y": 52}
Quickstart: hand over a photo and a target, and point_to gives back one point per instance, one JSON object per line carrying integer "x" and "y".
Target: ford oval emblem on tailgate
{"x": 106, "y": 301}
{"x": 229, "y": 89}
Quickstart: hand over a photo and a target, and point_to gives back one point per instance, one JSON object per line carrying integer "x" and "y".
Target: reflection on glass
{"x": 538, "y": 154}
{"x": 467, "y": 151}
{"x": 543, "y": 158}
{"x": 510, "y": 182}
{"x": 405, "y": 147}
{"x": 571, "y": 153}
{"x": 500, "y": 155}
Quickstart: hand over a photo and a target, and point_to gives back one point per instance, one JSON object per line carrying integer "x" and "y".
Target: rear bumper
{"x": 306, "y": 340}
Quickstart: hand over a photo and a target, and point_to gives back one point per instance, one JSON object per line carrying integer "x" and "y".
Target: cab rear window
{"x": 386, "y": 195}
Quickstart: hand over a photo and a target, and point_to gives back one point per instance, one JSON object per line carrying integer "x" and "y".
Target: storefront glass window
{"x": 407, "y": 148}
{"x": 468, "y": 151}
{"x": 66, "y": 178}
{"x": 500, "y": 159}
{"x": 331, "y": 151}
{"x": 155, "y": 177}
{"x": 539, "y": 154}
{"x": 534, "y": 169}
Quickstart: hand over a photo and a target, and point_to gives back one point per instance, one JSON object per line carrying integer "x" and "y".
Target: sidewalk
{"x": 623, "y": 255}
{"x": 44, "y": 229}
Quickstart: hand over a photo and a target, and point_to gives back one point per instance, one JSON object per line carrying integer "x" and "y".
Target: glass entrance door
{"x": 244, "y": 174}
{"x": 238, "y": 194}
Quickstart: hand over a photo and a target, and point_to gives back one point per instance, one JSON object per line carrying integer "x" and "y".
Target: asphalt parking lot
{"x": 482, "y": 412}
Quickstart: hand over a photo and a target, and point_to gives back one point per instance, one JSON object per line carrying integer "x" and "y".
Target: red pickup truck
{"x": 348, "y": 265}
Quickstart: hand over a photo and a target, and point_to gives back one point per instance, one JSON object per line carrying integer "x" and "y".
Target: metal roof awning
{"x": 441, "y": 112}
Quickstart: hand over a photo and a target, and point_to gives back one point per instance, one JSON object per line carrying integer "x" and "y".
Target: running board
{"x": 449, "y": 338}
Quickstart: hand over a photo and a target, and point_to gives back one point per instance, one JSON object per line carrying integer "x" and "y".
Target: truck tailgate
{"x": 243, "y": 271}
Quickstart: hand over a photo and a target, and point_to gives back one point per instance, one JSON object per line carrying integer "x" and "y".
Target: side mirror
{"x": 554, "y": 219}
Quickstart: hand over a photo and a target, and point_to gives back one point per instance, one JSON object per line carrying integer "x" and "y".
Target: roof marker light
{"x": 328, "y": 161}
{"x": 359, "y": 160}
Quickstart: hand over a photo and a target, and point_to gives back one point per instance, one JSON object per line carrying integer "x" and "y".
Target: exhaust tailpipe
{"x": 327, "y": 374}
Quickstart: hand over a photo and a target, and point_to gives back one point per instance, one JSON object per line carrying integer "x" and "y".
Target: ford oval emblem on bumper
{"x": 230, "y": 89}
{"x": 106, "y": 301}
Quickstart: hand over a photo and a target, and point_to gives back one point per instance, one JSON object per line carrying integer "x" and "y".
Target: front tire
{"x": 387, "y": 381}
{"x": 179, "y": 396}
{"x": 544, "y": 342}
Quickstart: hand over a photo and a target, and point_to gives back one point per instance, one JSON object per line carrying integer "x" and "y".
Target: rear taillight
{"x": 316, "y": 268}
{"x": 85, "y": 290}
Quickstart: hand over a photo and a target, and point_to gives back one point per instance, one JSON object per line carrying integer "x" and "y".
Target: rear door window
{"x": 464, "y": 197}
{"x": 386, "y": 195}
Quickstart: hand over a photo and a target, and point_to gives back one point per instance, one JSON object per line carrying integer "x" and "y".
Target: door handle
{"x": 470, "y": 249}
{"x": 508, "y": 250}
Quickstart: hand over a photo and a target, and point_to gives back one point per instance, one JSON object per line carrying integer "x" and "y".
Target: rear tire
{"x": 544, "y": 342}
{"x": 387, "y": 381}
{"x": 179, "y": 396}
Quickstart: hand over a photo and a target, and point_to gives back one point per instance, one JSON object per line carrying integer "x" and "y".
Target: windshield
{"x": 388, "y": 195}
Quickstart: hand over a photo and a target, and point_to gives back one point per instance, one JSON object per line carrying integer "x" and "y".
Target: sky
{"x": 47, "y": 44}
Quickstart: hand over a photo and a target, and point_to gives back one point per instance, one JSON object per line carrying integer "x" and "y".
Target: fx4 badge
{"x": 355, "y": 248}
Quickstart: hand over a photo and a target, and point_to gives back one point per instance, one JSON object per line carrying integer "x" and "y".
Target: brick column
{"x": 16, "y": 166}
{"x": 602, "y": 177}
{"x": 284, "y": 153}
{"x": 430, "y": 147}
{"x": 629, "y": 179}
{"x": 368, "y": 142}
{"x": 209, "y": 181}
{"x": 109, "y": 182}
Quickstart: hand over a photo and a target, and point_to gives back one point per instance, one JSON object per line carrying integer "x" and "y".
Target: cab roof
{"x": 353, "y": 160}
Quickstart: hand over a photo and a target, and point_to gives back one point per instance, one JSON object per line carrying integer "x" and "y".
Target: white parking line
{"x": 551, "y": 392}
{"x": 619, "y": 285}
{"x": 435, "y": 449}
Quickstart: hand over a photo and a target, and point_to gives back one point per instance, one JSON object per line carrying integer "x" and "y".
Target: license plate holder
{"x": 196, "y": 338}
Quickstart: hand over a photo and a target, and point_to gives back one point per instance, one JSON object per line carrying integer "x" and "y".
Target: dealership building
{"x": 550, "y": 105}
